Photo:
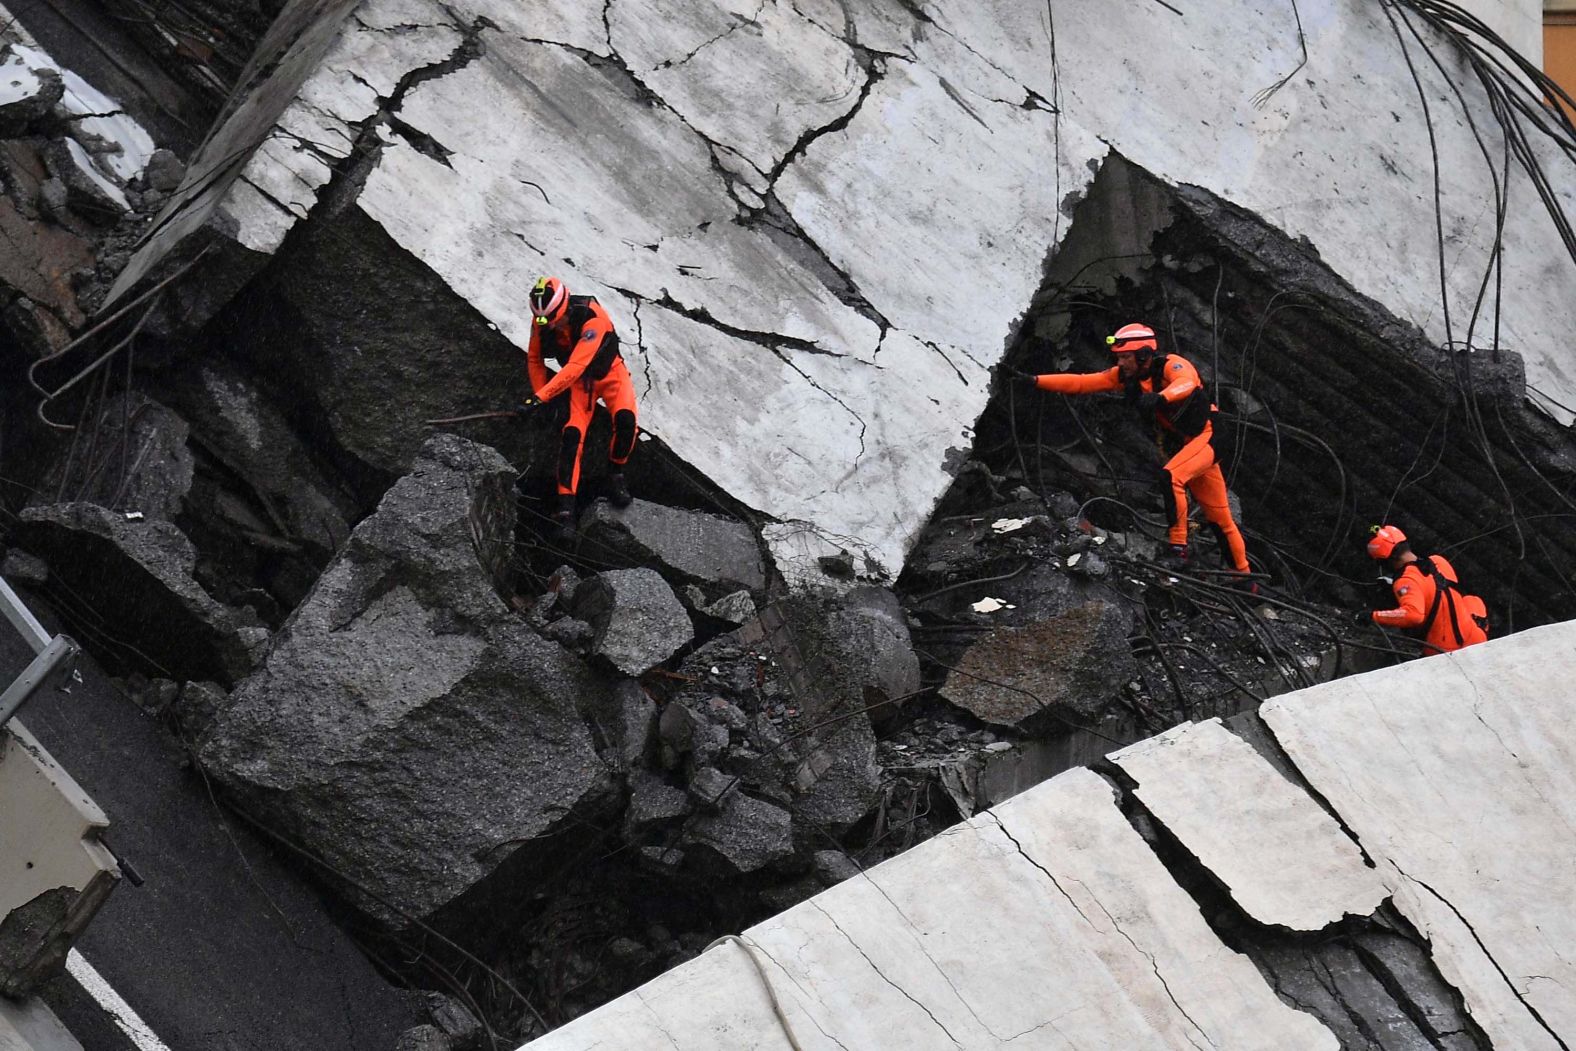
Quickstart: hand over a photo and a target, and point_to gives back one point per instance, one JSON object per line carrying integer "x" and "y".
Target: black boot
{"x": 618, "y": 490}
{"x": 1175, "y": 557}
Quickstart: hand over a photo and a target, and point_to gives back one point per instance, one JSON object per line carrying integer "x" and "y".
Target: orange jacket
{"x": 1415, "y": 594}
{"x": 1178, "y": 382}
{"x": 575, "y": 343}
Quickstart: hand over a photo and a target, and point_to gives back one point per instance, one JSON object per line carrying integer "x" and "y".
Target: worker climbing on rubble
{"x": 1427, "y": 594}
{"x": 578, "y": 334}
{"x": 1169, "y": 387}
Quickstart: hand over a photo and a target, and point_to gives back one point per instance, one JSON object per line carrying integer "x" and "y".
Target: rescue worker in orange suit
{"x": 1168, "y": 386}
{"x": 1427, "y": 595}
{"x": 577, "y": 333}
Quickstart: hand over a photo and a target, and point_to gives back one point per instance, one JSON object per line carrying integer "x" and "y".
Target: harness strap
{"x": 1442, "y": 592}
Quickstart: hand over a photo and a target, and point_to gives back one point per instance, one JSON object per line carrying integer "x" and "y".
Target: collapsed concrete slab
{"x": 1457, "y": 776}
{"x": 1284, "y": 860}
{"x": 136, "y": 571}
{"x": 749, "y": 260}
{"x": 407, "y": 727}
{"x": 685, "y": 545}
{"x": 1050, "y": 918}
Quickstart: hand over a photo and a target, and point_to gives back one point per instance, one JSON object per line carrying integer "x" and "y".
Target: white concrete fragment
{"x": 18, "y": 80}
{"x": 84, "y": 162}
{"x": 1052, "y": 927}
{"x": 1457, "y": 774}
{"x": 1284, "y": 860}
{"x": 95, "y": 114}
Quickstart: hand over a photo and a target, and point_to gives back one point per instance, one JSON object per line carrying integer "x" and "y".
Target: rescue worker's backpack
{"x": 1468, "y": 615}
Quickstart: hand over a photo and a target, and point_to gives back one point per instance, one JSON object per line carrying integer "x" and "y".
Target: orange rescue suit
{"x": 585, "y": 346}
{"x": 1417, "y": 597}
{"x": 1184, "y": 412}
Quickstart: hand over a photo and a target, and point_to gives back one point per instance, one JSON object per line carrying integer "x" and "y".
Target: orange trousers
{"x": 1194, "y": 468}
{"x": 616, "y": 390}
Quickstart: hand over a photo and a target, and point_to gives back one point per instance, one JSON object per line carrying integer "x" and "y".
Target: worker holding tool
{"x": 1427, "y": 595}
{"x": 1168, "y": 387}
{"x": 578, "y": 334}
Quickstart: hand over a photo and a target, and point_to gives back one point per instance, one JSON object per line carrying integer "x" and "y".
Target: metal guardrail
{"x": 55, "y": 653}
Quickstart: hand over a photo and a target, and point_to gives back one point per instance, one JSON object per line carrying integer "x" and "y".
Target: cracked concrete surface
{"x": 882, "y": 182}
{"x": 1057, "y": 921}
{"x": 1065, "y": 933}
{"x": 1458, "y": 782}
{"x": 1284, "y": 860}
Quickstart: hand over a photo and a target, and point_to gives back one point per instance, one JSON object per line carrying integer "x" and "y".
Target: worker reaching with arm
{"x": 577, "y": 333}
{"x": 1169, "y": 387}
{"x": 1427, "y": 595}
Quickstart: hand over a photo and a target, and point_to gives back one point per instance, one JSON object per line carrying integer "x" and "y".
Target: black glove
{"x": 528, "y": 406}
{"x": 1148, "y": 400}
{"x": 1022, "y": 379}
{"x": 1363, "y": 618}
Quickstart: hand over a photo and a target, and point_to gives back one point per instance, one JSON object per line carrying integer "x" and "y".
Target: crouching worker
{"x": 577, "y": 333}
{"x": 1427, "y": 594}
{"x": 1167, "y": 387}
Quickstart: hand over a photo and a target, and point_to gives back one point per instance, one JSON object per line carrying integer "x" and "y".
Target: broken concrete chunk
{"x": 138, "y": 574}
{"x": 628, "y": 724}
{"x": 1070, "y": 666}
{"x": 408, "y": 728}
{"x": 747, "y": 835}
{"x": 677, "y": 726}
{"x": 143, "y": 463}
{"x": 708, "y": 786}
{"x": 652, "y": 802}
{"x": 834, "y": 866}
{"x": 196, "y": 706}
{"x": 26, "y": 94}
{"x": 424, "y": 1038}
{"x": 569, "y": 632}
{"x": 1284, "y": 860}
{"x": 237, "y": 424}
{"x": 164, "y": 171}
{"x": 89, "y": 192}
{"x": 684, "y": 545}
{"x": 735, "y": 608}
{"x": 20, "y": 567}
{"x": 643, "y": 622}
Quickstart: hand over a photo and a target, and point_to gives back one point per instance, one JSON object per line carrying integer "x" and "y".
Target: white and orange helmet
{"x": 549, "y": 300}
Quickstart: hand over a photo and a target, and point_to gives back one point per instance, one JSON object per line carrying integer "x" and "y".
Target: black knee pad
{"x": 568, "y": 452}
{"x": 623, "y": 434}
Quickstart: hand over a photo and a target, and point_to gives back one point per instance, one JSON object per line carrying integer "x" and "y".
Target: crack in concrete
{"x": 863, "y": 426}
{"x": 1489, "y": 956}
{"x": 874, "y": 70}
{"x": 1047, "y": 872}
{"x": 271, "y": 199}
{"x": 739, "y": 23}
{"x": 943, "y": 355}
{"x": 656, "y": 1018}
{"x": 882, "y": 975}
{"x": 645, "y": 354}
